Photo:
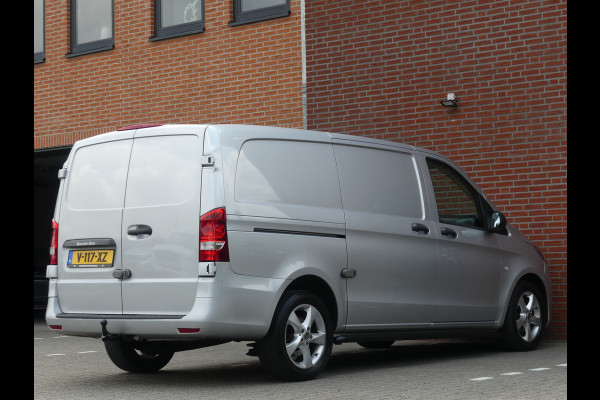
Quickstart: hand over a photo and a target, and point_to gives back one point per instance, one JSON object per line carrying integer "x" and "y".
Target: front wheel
{"x": 298, "y": 344}
{"x": 125, "y": 356}
{"x": 525, "y": 318}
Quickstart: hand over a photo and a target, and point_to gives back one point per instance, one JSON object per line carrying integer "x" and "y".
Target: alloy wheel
{"x": 528, "y": 316}
{"x": 305, "y": 336}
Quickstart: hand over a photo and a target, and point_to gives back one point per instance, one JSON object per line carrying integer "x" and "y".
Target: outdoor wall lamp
{"x": 450, "y": 101}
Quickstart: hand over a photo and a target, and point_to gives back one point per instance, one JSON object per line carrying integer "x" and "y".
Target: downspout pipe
{"x": 303, "y": 49}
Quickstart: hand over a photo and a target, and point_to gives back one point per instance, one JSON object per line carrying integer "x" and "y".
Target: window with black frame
{"x": 247, "y": 11}
{"x": 38, "y": 32}
{"x": 92, "y": 26}
{"x": 458, "y": 202}
{"x": 174, "y": 18}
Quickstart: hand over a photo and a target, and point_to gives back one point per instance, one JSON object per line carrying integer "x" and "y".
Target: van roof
{"x": 326, "y": 136}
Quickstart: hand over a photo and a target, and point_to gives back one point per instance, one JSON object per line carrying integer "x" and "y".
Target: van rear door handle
{"x": 136, "y": 230}
{"x": 420, "y": 229}
{"x": 449, "y": 233}
{"x": 121, "y": 274}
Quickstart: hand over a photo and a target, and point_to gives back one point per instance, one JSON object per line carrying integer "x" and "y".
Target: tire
{"x": 124, "y": 355}
{"x": 525, "y": 318}
{"x": 381, "y": 344}
{"x": 299, "y": 342}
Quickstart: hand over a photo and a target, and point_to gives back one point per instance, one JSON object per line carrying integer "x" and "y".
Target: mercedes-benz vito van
{"x": 176, "y": 237}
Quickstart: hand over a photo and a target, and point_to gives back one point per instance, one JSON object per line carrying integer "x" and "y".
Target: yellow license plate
{"x": 91, "y": 258}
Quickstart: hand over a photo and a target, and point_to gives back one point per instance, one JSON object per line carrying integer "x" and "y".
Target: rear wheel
{"x": 298, "y": 344}
{"x": 125, "y": 356}
{"x": 525, "y": 318}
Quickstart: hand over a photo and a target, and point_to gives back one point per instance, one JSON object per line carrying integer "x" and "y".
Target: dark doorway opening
{"x": 46, "y": 163}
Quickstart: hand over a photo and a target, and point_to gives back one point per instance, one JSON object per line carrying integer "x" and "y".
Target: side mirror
{"x": 496, "y": 222}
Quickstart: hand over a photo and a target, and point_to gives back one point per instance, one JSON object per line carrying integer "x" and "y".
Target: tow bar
{"x": 105, "y": 335}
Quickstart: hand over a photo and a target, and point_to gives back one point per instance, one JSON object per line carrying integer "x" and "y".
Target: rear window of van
{"x": 97, "y": 176}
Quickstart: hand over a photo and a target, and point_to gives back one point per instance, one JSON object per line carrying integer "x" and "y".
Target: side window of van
{"x": 457, "y": 201}
{"x": 379, "y": 181}
{"x": 287, "y": 172}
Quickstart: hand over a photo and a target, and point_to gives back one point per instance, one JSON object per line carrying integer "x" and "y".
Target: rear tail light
{"x": 213, "y": 236}
{"x": 54, "y": 243}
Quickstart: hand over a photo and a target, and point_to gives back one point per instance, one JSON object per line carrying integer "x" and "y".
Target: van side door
{"x": 390, "y": 242}
{"x": 469, "y": 255}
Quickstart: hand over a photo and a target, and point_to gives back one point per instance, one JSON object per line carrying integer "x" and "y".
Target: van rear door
{"x": 129, "y": 223}
{"x": 90, "y": 225}
{"x": 160, "y": 230}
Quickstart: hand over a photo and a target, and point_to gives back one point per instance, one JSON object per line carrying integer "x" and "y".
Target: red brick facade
{"x": 374, "y": 68}
{"x": 243, "y": 74}
{"x": 380, "y": 69}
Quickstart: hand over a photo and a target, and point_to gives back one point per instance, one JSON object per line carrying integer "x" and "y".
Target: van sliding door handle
{"x": 348, "y": 273}
{"x": 420, "y": 229}
{"x": 449, "y": 233}
{"x": 136, "y": 230}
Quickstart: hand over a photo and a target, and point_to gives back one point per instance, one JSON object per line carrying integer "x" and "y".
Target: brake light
{"x": 213, "y": 236}
{"x": 54, "y": 243}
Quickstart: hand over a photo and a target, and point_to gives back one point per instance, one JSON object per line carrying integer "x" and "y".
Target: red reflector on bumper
{"x": 188, "y": 330}
{"x": 55, "y": 327}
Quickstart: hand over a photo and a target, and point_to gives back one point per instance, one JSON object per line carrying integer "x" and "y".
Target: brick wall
{"x": 380, "y": 68}
{"x": 243, "y": 74}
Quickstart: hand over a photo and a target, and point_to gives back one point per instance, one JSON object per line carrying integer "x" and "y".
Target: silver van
{"x": 176, "y": 237}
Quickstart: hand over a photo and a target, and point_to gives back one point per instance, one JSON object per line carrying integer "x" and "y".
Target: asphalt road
{"x": 78, "y": 368}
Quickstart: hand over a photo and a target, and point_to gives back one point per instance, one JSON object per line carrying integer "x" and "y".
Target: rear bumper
{"x": 242, "y": 311}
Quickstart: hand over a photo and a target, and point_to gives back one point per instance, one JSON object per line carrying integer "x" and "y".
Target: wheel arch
{"x": 539, "y": 283}
{"x": 320, "y": 288}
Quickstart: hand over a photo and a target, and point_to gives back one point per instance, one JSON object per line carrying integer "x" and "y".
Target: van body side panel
{"x": 284, "y": 209}
{"x": 395, "y": 265}
{"x": 163, "y": 194}
{"x": 286, "y": 201}
{"x": 291, "y": 255}
{"x": 93, "y": 194}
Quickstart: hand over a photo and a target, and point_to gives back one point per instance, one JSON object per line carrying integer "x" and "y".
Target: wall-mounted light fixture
{"x": 450, "y": 101}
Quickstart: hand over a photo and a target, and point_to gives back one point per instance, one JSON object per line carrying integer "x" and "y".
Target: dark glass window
{"x": 38, "y": 31}
{"x": 246, "y": 11}
{"x": 458, "y": 202}
{"x": 177, "y": 17}
{"x": 91, "y": 26}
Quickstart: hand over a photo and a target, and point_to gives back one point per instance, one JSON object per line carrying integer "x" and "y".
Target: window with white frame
{"x": 91, "y": 26}
{"x": 177, "y": 17}
{"x": 247, "y": 11}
